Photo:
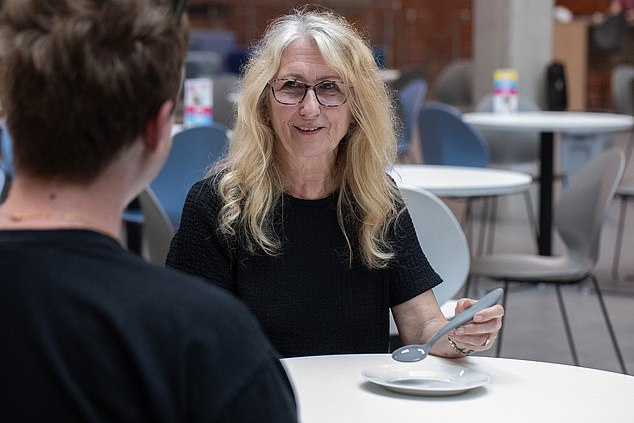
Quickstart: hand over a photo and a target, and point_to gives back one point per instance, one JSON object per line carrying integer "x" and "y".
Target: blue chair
{"x": 3, "y": 185}
{"x": 7, "y": 152}
{"x": 193, "y": 151}
{"x": 448, "y": 140}
{"x": 411, "y": 97}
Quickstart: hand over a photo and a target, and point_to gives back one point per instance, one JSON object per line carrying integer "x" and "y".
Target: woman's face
{"x": 307, "y": 133}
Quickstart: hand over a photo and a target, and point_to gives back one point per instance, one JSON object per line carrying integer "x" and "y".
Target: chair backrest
{"x": 610, "y": 34}
{"x": 583, "y": 205}
{"x": 454, "y": 84}
{"x": 510, "y": 146}
{"x": 157, "y": 227}
{"x": 448, "y": 140}
{"x": 6, "y": 150}
{"x": 193, "y": 151}
{"x": 3, "y": 185}
{"x": 622, "y": 96}
{"x": 200, "y": 64}
{"x": 441, "y": 238}
{"x": 225, "y": 85}
{"x": 411, "y": 96}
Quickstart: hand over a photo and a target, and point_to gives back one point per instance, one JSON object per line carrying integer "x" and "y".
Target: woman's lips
{"x": 308, "y": 130}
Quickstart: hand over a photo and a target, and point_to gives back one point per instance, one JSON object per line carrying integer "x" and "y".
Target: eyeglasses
{"x": 291, "y": 92}
{"x": 177, "y": 8}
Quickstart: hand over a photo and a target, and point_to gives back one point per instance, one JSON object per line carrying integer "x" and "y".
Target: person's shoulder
{"x": 184, "y": 287}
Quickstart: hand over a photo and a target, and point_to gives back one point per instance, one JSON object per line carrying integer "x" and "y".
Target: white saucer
{"x": 415, "y": 379}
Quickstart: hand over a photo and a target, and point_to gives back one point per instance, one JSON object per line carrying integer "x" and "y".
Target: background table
{"x": 332, "y": 389}
{"x": 461, "y": 181}
{"x": 548, "y": 123}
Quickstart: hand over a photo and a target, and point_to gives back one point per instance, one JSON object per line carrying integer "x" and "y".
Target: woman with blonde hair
{"x": 300, "y": 219}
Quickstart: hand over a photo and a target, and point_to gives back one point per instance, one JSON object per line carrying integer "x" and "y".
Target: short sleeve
{"x": 411, "y": 273}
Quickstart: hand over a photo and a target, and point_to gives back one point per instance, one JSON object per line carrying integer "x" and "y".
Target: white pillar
{"x": 512, "y": 34}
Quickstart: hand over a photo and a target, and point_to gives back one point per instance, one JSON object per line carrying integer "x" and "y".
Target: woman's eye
{"x": 328, "y": 85}
{"x": 292, "y": 85}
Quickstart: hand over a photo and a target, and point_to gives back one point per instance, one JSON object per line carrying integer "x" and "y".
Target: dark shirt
{"x": 308, "y": 298}
{"x": 93, "y": 333}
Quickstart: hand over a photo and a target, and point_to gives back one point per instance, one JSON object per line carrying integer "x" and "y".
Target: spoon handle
{"x": 466, "y": 316}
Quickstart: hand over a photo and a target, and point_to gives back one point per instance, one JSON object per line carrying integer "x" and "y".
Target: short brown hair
{"x": 83, "y": 79}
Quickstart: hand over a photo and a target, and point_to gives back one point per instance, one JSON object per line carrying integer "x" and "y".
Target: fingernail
{"x": 477, "y": 318}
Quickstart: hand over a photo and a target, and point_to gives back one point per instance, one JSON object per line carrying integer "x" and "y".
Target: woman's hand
{"x": 481, "y": 333}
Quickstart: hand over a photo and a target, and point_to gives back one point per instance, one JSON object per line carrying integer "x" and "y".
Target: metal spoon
{"x": 416, "y": 352}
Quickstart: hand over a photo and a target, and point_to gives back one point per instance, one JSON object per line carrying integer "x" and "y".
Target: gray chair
{"x": 620, "y": 81}
{"x": 443, "y": 241}
{"x": 454, "y": 84}
{"x": 157, "y": 228}
{"x": 579, "y": 217}
{"x": 623, "y": 97}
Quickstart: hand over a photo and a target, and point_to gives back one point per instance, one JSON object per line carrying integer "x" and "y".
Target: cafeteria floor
{"x": 533, "y": 325}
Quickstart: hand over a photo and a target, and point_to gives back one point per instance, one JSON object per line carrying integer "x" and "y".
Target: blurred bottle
{"x": 505, "y": 91}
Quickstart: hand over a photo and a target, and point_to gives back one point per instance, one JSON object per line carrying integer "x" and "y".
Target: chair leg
{"x": 564, "y": 317}
{"x": 498, "y": 347}
{"x": 619, "y": 240}
{"x": 608, "y": 323}
{"x": 467, "y": 287}
{"x": 492, "y": 218}
{"x": 467, "y": 223}
{"x": 484, "y": 221}
{"x": 531, "y": 217}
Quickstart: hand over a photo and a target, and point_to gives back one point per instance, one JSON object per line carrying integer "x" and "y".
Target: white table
{"x": 461, "y": 181}
{"x": 331, "y": 389}
{"x": 549, "y": 123}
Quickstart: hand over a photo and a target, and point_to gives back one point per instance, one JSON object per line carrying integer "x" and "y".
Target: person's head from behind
{"x": 83, "y": 79}
{"x": 312, "y": 91}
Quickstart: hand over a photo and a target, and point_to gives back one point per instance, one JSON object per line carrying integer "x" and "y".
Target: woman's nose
{"x": 310, "y": 105}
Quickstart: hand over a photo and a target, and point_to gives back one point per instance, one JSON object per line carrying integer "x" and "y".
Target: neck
{"x": 34, "y": 204}
{"x": 309, "y": 180}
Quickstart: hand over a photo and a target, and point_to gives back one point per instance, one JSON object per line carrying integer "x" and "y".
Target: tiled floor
{"x": 533, "y": 325}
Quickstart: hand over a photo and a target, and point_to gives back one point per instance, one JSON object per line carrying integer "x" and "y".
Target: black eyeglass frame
{"x": 178, "y": 6}
{"x": 306, "y": 88}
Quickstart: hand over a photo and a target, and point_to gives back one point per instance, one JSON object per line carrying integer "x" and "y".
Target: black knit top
{"x": 308, "y": 298}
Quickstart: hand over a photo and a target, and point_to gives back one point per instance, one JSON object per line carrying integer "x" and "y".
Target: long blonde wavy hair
{"x": 250, "y": 185}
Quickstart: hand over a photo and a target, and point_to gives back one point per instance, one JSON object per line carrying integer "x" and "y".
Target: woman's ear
{"x": 155, "y": 130}
{"x": 265, "y": 114}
